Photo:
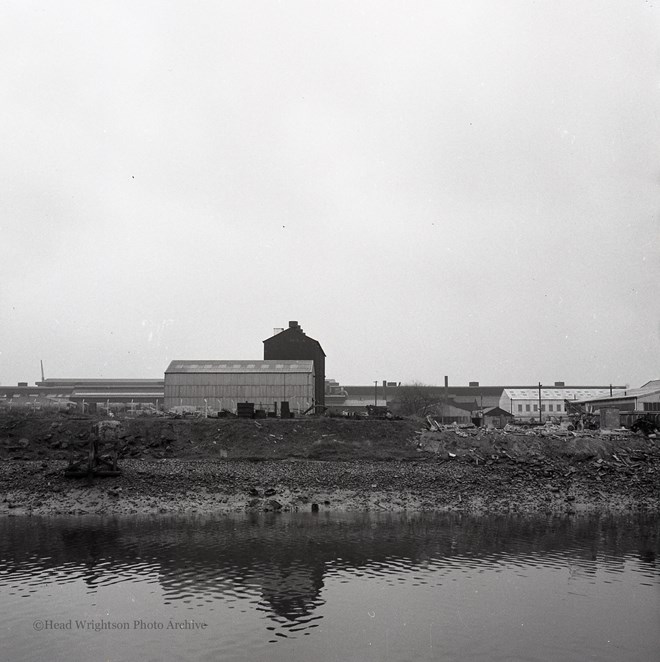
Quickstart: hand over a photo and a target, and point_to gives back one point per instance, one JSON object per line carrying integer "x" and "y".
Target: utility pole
{"x": 540, "y": 414}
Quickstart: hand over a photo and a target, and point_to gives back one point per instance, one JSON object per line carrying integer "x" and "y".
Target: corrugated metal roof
{"x": 629, "y": 394}
{"x": 361, "y": 403}
{"x": 475, "y": 391}
{"x": 56, "y": 381}
{"x": 242, "y": 366}
{"x": 555, "y": 393}
{"x": 117, "y": 394}
{"x": 358, "y": 391}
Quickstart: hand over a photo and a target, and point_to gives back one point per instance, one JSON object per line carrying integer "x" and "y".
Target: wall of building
{"x": 217, "y": 391}
{"x": 293, "y": 344}
{"x": 637, "y": 401}
{"x": 61, "y": 393}
{"x": 650, "y": 402}
{"x": 523, "y": 402}
{"x": 529, "y": 408}
{"x": 496, "y": 421}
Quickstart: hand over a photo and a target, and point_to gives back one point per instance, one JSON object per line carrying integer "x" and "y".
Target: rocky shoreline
{"x": 193, "y": 486}
{"x": 211, "y": 466}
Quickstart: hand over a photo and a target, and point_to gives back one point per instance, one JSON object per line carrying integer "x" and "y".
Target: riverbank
{"x": 179, "y": 466}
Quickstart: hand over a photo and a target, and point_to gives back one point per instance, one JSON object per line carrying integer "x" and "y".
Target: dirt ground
{"x": 227, "y": 465}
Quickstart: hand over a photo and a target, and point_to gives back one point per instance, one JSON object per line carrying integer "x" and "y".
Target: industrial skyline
{"x": 431, "y": 188}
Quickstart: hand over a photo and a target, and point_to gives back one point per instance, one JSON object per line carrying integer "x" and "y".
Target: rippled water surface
{"x": 330, "y": 587}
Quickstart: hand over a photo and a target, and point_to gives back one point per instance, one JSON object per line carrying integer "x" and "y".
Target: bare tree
{"x": 413, "y": 399}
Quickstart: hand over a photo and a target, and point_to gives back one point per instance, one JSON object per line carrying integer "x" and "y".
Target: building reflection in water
{"x": 279, "y": 561}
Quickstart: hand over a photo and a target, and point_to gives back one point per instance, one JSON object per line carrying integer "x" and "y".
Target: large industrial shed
{"x": 85, "y": 392}
{"x": 525, "y": 404}
{"x": 216, "y": 385}
{"x": 646, "y": 399}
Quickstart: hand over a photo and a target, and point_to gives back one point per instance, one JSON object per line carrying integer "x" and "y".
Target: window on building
{"x": 549, "y": 407}
{"x": 542, "y": 407}
{"x": 536, "y": 407}
{"x": 519, "y": 407}
{"x": 558, "y": 407}
{"x": 651, "y": 406}
{"x": 526, "y": 407}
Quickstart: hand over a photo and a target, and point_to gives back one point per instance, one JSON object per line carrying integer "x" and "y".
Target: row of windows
{"x": 558, "y": 408}
{"x": 652, "y": 406}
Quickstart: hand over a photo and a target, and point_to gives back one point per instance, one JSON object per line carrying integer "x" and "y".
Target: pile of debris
{"x": 550, "y": 440}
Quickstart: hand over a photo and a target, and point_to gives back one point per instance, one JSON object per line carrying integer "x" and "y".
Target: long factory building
{"x": 221, "y": 385}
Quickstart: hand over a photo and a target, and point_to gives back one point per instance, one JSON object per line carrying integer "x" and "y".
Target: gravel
{"x": 179, "y": 466}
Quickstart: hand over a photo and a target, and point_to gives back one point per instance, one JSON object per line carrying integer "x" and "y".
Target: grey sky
{"x": 429, "y": 188}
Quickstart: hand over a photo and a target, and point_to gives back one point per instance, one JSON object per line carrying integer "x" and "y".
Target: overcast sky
{"x": 467, "y": 189}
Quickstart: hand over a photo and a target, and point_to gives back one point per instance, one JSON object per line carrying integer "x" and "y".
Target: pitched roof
{"x": 567, "y": 393}
{"x": 296, "y": 331}
{"x": 463, "y": 406}
{"x": 242, "y": 366}
{"x": 629, "y": 394}
{"x": 116, "y": 394}
{"x": 497, "y": 411}
{"x": 361, "y": 403}
{"x": 57, "y": 381}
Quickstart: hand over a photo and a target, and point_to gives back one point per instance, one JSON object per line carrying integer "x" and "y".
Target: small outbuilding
{"x": 497, "y": 417}
{"x": 449, "y": 412}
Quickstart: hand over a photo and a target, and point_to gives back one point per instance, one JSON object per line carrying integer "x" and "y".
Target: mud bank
{"x": 189, "y": 486}
{"x": 228, "y": 466}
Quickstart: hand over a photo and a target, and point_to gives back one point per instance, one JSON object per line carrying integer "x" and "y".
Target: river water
{"x": 329, "y": 586}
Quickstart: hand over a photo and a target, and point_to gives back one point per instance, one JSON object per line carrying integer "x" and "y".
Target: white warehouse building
{"x": 217, "y": 385}
{"x": 524, "y": 403}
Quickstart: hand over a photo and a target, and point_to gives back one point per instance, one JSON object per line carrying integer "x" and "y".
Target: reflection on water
{"x": 356, "y": 586}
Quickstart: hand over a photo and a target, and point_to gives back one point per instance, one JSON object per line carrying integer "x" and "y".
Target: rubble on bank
{"x": 326, "y": 464}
